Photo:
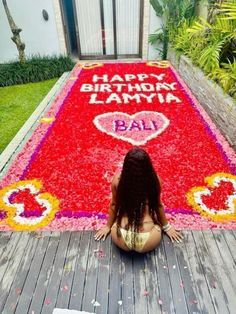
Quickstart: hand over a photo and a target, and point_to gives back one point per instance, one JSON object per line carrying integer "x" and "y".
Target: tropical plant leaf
{"x": 210, "y": 56}
{"x": 211, "y": 46}
{"x": 158, "y": 7}
{"x": 199, "y": 26}
{"x": 224, "y": 24}
{"x": 229, "y": 9}
{"x": 189, "y": 10}
{"x": 153, "y": 38}
{"x": 231, "y": 66}
{"x": 226, "y": 77}
{"x": 173, "y": 13}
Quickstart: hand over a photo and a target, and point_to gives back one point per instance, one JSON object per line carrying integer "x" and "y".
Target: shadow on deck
{"x": 47, "y": 270}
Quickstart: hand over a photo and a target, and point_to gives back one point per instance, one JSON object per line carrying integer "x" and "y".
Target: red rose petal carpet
{"x": 60, "y": 180}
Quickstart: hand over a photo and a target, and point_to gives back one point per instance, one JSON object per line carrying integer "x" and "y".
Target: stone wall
{"x": 219, "y": 106}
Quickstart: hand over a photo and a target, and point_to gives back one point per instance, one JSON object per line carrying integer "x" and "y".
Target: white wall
{"x": 39, "y": 36}
{"x": 154, "y": 23}
{"x": 42, "y": 37}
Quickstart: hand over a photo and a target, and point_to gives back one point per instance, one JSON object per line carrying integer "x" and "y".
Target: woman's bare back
{"x": 147, "y": 221}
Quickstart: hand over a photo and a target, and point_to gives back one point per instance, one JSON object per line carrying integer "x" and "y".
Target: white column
{"x": 59, "y": 26}
{"x": 145, "y": 26}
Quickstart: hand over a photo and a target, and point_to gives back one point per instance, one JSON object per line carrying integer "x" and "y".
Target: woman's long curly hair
{"x": 138, "y": 186}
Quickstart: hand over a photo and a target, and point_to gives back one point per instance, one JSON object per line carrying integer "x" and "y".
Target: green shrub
{"x": 172, "y": 12}
{"x": 211, "y": 46}
{"x": 35, "y": 69}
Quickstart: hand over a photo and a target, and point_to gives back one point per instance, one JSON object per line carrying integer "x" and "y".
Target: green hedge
{"x": 34, "y": 69}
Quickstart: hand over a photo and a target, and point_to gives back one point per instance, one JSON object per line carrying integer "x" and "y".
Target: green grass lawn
{"x": 16, "y": 105}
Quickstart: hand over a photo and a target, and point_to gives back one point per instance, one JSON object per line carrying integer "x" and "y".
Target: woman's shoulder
{"x": 115, "y": 180}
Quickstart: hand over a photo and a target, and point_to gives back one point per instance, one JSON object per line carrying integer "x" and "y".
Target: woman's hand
{"x": 174, "y": 235}
{"x": 102, "y": 233}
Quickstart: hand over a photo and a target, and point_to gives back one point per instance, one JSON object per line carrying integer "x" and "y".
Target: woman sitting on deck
{"x": 136, "y": 215}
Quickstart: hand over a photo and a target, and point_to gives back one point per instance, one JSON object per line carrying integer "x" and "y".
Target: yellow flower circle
{"x": 90, "y": 65}
{"x": 13, "y": 211}
{"x": 159, "y": 64}
{"x": 194, "y": 197}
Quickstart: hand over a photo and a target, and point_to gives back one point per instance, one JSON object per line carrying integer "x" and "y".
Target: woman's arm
{"x": 161, "y": 217}
{"x": 170, "y": 230}
{"x": 112, "y": 212}
{"x": 105, "y": 230}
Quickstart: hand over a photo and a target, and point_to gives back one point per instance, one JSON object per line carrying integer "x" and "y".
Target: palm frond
{"x": 199, "y": 26}
{"x": 226, "y": 77}
{"x": 210, "y": 56}
{"x": 155, "y": 37}
{"x": 229, "y": 9}
{"x": 223, "y": 24}
{"x": 231, "y": 66}
{"x": 158, "y": 7}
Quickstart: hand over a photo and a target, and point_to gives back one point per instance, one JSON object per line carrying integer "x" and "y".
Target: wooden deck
{"x": 42, "y": 271}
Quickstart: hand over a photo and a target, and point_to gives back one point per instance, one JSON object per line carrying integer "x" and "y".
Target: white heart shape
{"x": 137, "y": 128}
{"x": 195, "y": 194}
{"x": 229, "y": 201}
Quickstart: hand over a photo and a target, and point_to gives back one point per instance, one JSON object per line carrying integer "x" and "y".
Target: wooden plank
{"x": 115, "y": 281}
{"x": 234, "y": 233}
{"x": 193, "y": 264}
{"x": 32, "y": 276}
{"x": 103, "y": 276}
{"x": 20, "y": 136}
{"x": 127, "y": 280}
{"x": 63, "y": 297}
{"x": 152, "y": 283}
{"x": 189, "y": 285}
{"x": 140, "y": 286}
{"x": 4, "y": 238}
{"x": 12, "y": 268}
{"x": 219, "y": 298}
{"x": 166, "y": 297}
{"x": 7, "y": 251}
{"x": 80, "y": 272}
{"x": 21, "y": 274}
{"x": 55, "y": 276}
{"x": 224, "y": 276}
{"x": 231, "y": 242}
{"x": 228, "y": 262}
{"x": 44, "y": 276}
{"x": 175, "y": 278}
{"x": 4, "y": 241}
{"x": 90, "y": 287}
